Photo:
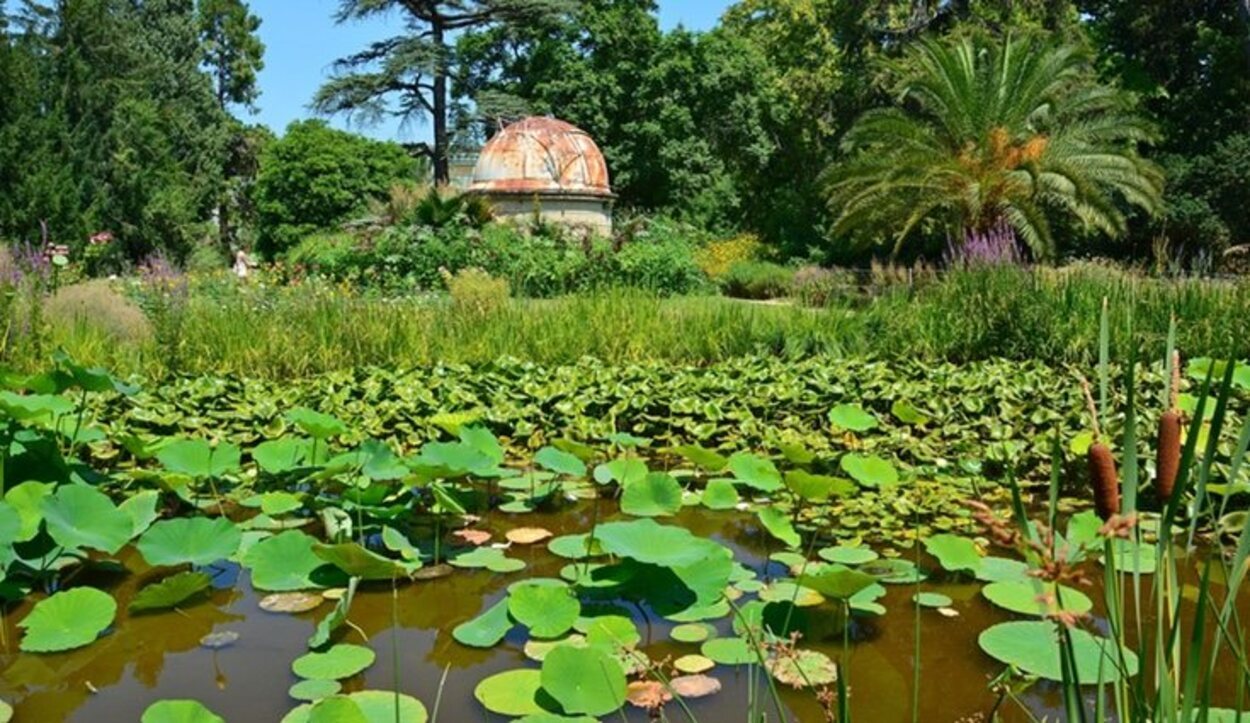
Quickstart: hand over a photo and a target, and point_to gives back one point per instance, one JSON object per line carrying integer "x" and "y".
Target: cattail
{"x": 1102, "y": 475}
{"x": 1103, "y": 479}
{"x": 1168, "y": 460}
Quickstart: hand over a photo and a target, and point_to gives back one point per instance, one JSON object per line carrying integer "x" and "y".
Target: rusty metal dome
{"x": 543, "y": 156}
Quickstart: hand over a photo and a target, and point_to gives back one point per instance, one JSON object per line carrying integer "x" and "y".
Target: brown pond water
{"x": 146, "y": 658}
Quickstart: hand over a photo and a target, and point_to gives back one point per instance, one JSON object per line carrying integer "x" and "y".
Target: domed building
{"x": 549, "y": 167}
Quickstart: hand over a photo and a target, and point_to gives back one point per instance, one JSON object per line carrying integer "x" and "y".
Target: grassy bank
{"x": 963, "y": 316}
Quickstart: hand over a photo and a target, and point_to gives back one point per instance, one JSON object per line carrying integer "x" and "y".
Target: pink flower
{"x": 101, "y": 238}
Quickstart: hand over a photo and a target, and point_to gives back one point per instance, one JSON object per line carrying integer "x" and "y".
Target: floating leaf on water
{"x": 79, "y": 516}
{"x": 791, "y": 592}
{"x": 931, "y": 600}
{"x": 313, "y": 690}
{"x": 729, "y": 651}
{"x": 179, "y": 711}
{"x": 694, "y": 686}
{"x": 656, "y": 495}
{"x": 336, "y": 619}
{"x": 1033, "y": 648}
{"x": 1002, "y": 569}
{"x": 511, "y": 693}
{"x": 692, "y": 632}
{"x": 584, "y": 680}
{"x": 838, "y": 581}
{"x": 170, "y": 592}
{"x": 548, "y": 611}
{"x": 190, "y": 540}
{"x": 894, "y": 572}
{"x": 560, "y": 462}
{"x": 702, "y": 565}
{"x": 624, "y": 471}
{"x": 527, "y": 535}
{"x": 954, "y": 553}
{"x": 276, "y": 504}
{"x": 852, "y": 417}
{"x": 6, "y": 712}
{"x": 803, "y": 669}
{"x": 848, "y": 555}
{"x": 647, "y": 694}
{"x": 1132, "y": 557}
{"x": 477, "y": 538}
{"x": 869, "y": 470}
{"x": 537, "y": 650}
{"x": 1035, "y": 597}
{"x": 283, "y": 562}
{"x": 67, "y": 620}
{"x": 817, "y": 487}
{"x": 692, "y": 664}
{"x": 373, "y": 706}
{"x": 706, "y": 459}
{"x": 486, "y": 630}
{"x": 341, "y": 661}
{"x": 291, "y": 602}
{"x": 199, "y": 458}
{"x": 613, "y": 632}
{"x": 219, "y": 640}
{"x": 489, "y": 558}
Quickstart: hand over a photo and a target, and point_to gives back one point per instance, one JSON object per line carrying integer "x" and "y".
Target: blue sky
{"x": 302, "y": 42}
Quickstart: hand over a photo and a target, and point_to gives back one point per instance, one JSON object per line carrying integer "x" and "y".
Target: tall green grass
{"x": 962, "y": 316}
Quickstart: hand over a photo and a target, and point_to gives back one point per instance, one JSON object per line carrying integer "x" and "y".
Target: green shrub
{"x": 316, "y": 177}
{"x": 329, "y": 252}
{"x": 757, "y": 280}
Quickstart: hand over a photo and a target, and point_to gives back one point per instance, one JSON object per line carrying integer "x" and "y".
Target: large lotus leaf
{"x": 1033, "y": 597}
{"x": 549, "y": 611}
{"x": 282, "y": 455}
{"x": 584, "y": 680}
{"x": 367, "y": 706}
{"x": 513, "y": 693}
{"x": 283, "y": 562}
{"x": 817, "y": 487}
{"x": 702, "y": 565}
{"x": 852, "y": 417}
{"x": 560, "y": 462}
{"x": 10, "y": 523}
{"x": 1033, "y": 648}
{"x": 656, "y": 495}
{"x": 708, "y": 460}
{"x": 755, "y": 472}
{"x": 141, "y": 508}
{"x": 870, "y": 470}
{"x": 625, "y": 471}
{"x": 954, "y": 553}
{"x": 486, "y": 630}
{"x": 730, "y": 651}
{"x": 451, "y": 459}
{"x": 315, "y": 424}
{"x": 83, "y": 517}
{"x": 340, "y": 661}
{"x": 779, "y": 526}
{"x": 170, "y": 592}
{"x": 838, "y": 581}
{"x": 27, "y": 500}
{"x": 179, "y": 711}
{"x": 359, "y": 562}
{"x": 1225, "y": 715}
{"x": 35, "y": 407}
{"x": 198, "y": 458}
{"x": 1002, "y": 569}
{"x": 720, "y": 494}
{"x": 190, "y": 540}
{"x": 907, "y": 414}
{"x": 67, "y": 620}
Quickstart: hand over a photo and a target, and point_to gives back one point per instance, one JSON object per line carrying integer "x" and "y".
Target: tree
{"x": 412, "y": 69}
{"x": 315, "y": 177}
{"x": 233, "y": 51}
{"x": 989, "y": 132}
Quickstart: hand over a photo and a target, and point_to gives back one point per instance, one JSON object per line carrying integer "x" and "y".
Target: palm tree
{"x": 1013, "y": 131}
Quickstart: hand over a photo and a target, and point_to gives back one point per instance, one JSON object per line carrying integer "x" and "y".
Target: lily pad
{"x": 656, "y": 495}
{"x": 693, "y": 664}
{"x": 488, "y": 558}
{"x": 548, "y": 611}
{"x": 283, "y": 562}
{"x": 729, "y": 651}
{"x": 194, "y": 540}
{"x": 1002, "y": 569}
{"x": 584, "y": 680}
{"x": 575, "y": 547}
{"x": 694, "y": 686}
{"x": 932, "y": 600}
{"x": 1025, "y": 597}
{"x": 1033, "y": 648}
{"x": 512, "y": 693}
{"x": 803, "y": 669}
{"x": 527, "y": 535}
{"x": 869, "y": 470}
{"x": 692, "y": 632}
{"x": 356, "y": 561}
{"x": 954, "y": 553}
{"x": 848, "y": 555}
{"x": 340, "y": 661}
{"x": 852, "y": 417}
{"x": 79, "y": 516}
{"x": 179, "y": 711}
{"x": 755, "y": 472}
{"x": 170, "y": 592}
{"x": 838, "y": 581}
{"x": 291, "y": 602}
{"x": 486, "y": 630}
{"x": 720, "y": 494}
{"x": 314, "y": 690}
{"x": 67, "y": 620}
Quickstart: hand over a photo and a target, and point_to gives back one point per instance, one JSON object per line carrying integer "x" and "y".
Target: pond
{"x": 148, "y": 657}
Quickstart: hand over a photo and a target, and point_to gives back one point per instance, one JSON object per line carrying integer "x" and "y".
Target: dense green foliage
{"x": 1013, "y": 132}
{"x": 316, "y": 177}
